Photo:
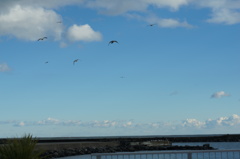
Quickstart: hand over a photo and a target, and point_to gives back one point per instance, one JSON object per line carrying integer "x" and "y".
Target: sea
{"x": 216, "y": 145}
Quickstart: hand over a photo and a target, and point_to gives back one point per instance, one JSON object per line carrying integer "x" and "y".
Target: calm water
{"x": 217, "y": 145}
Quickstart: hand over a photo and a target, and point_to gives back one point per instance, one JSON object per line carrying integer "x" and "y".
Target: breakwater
{"x": 80, "y": 146}
{"x": 171, "y": 138}
{"x": 70, "y": 146}
{"x": 120, "y": 148}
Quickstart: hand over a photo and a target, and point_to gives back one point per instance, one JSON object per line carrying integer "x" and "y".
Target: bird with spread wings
{"x": 75, "y": 61}
{"x": 112, "y": 41}
{"x": 42, "y": 38}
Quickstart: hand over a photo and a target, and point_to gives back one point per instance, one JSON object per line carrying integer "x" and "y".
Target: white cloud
{"x": 189, "y": 126}
{"x": 223, "y": 11}
{"x": 160, "y": 22}
{"x": 5, "y": 4}
{"x": 4, "y": 67}
{"x": 225, "y": 16}
{"x": 174, "y": 4}
{"x": 21, "y": 124}
{"x": 231, "y": 121}
{"x": 83, "y": 33}
{"x": 106, "y": 6}
{"x": 107, "y": 124}
{"x": 193, "y": 123}
{"x": 167, "y": 22}
{"x": 219, "y": 94}
{"x": 72, "y": 123}
{"x": 128, "y": 124}
{"x": 172, "y": 23}
{"x": 123, "y": 6}
{"x": 30, "y": 23}
{"x": 49, "y": 121}
{"x": 30, "y": 19}
{"x": 118, "y": 6}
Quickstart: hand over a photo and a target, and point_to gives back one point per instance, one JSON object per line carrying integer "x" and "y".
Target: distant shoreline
{"x": 70, "y": 146}
{"x": 171, "y": 138}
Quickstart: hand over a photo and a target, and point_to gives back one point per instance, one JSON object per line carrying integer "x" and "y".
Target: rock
{"x": 120, "y": 148}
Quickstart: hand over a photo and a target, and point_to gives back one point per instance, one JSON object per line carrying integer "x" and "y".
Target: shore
{"x": 71, "y": 146}
{"x": 61, "y": 147}
{"x": 73, "y": 149}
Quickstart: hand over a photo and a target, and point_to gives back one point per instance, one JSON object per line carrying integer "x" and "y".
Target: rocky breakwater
{"x": 121, "y": 147}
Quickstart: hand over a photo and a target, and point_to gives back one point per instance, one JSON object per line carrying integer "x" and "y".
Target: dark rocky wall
{"x": 121, "y": 148}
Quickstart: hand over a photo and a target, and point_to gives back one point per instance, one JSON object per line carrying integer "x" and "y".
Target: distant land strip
{"x": 170, "y": 138}
{"x": 55, "y": 147}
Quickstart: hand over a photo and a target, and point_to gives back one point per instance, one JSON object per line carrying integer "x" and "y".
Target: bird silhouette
{"x": 75, "y": 61}
{"x": 113, "y": 41}
{"x": 152, "y": 25}
{"x": 46, "y": 62}
{"x": 42, "y": 38}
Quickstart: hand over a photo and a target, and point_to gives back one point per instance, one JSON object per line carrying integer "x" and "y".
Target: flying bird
{"x": 113, "y": 41}
{"x": 59, "y": 22}
{"x": 152, "y": 25}
{"x": 75, "y": 61}
{"x": 42, "y": 38}
{"x": 46, "y": 62}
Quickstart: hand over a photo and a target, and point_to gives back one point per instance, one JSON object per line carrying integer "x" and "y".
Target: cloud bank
{"x": 30, "y": 23}
{"x": 30, "y": 19}
{"x": 129, "y": 127}
{"x": 223, "y": 11}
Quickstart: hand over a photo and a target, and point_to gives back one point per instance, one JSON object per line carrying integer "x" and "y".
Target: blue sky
{"x": 179, "y": 76}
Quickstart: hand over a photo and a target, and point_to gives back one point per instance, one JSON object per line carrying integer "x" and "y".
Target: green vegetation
{"x": 20, "y": 148}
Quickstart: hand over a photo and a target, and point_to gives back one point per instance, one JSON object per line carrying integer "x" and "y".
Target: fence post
{"x": 189, "y": 155}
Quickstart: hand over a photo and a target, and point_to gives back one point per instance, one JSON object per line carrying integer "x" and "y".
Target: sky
{"x": 174, "y": 70}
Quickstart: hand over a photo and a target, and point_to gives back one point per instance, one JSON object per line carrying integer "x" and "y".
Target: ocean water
{"x": 217, "y": 145}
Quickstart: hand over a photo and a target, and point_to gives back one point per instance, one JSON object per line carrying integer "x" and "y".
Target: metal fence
{"x": 194, "y": 154}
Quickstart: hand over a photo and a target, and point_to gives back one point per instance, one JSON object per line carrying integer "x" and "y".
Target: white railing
{"x": 193, "y": 154}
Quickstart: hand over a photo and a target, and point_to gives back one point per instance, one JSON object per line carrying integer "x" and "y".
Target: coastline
{"x": 71, "y": 146}
{"x": 83, "y": 146}
{"x": 74, "y": 150}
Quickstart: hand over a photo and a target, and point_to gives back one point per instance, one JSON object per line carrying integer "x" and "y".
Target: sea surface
{"x": 216, "y": 145}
